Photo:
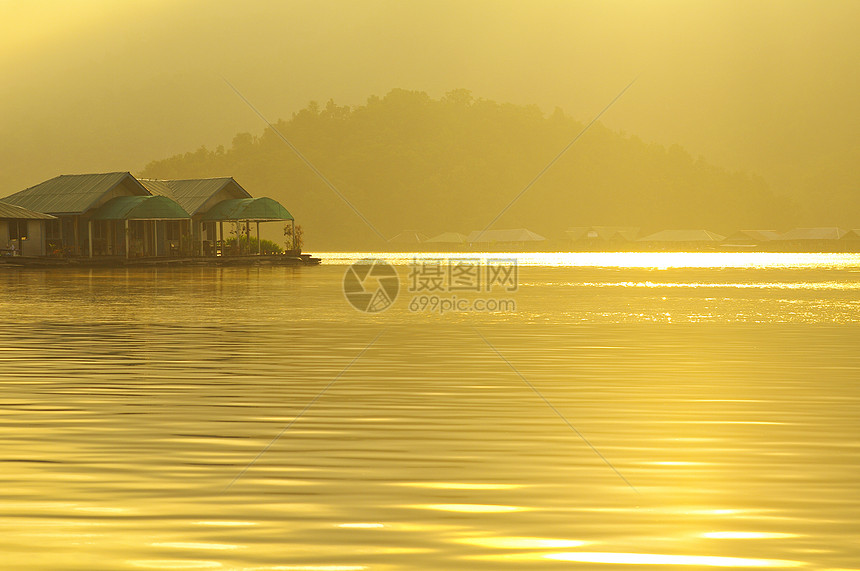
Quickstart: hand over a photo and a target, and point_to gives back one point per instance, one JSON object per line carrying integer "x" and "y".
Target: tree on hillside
{"x": 407, "y": 160}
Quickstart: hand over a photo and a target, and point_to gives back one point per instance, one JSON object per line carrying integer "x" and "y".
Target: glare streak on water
{"x": 642, "y": 260}
{"x": 724, "y": 387}
{"x": 650, "y": 284}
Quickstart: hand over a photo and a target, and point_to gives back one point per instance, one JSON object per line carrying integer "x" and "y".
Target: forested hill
{"x": 410, "y": 162}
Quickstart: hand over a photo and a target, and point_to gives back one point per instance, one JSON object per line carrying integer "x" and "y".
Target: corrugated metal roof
{"x": 408, "y": 237}
{"x": 513, "y": 235}
{"x": 157, "y": 187}
{"x": 448, "y": 238}
{"x": 683, "y": 236}
{"x": 578, "y": 232}
{"x": 140, "y": 208}
{"x": 71, "y": 193}
{"x": 602, "y": 232}
{"x": 629, "y": 234}
{"x": 253, "y": 209}
{"x": 814, "y": 234}
{"x": 193, "y": 193}
{"x": 10, "y": 211}
{"x": 753, "y": 236}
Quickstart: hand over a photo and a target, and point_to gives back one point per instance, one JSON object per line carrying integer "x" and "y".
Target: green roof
{"x": 72, "y": 193}
{"x": 140, "y": 208}
{"x": 160, "y": 187}
{"x": 193, "y": 193}
{"x": 10, "y": 211}
{"x": 257, "y": 209}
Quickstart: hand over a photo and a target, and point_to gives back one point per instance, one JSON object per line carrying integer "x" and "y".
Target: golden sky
{"x": 96, "y": 85}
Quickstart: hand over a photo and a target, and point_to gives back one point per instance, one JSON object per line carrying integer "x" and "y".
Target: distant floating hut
{"x": 802, "y": 234}
{"x": 448, "y": 238}
{"x": 824, "y": 239}
{"x": 600, "y": 237}
{"x": 516, "y": 238}
{"x": 682, "y": 239}
{"x": 408, "y": 237}
{"x": 605, "y": 233}
{"x": 453, "y": 240}
{"x": 750, "y": 238}
{"x": 755, "y": 236}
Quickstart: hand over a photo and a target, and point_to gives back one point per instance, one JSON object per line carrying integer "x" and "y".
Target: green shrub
{"x": 249, "y": 246}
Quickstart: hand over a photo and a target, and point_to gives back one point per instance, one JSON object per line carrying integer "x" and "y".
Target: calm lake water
{"x": 679, "y": 411}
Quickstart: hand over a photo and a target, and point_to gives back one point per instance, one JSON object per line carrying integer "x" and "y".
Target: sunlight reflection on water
{"x": 643, "y": 260}
{"x": 131, "y": 398}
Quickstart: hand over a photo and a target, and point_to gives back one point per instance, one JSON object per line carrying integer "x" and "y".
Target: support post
{"x": 259, "y": 242}
{"x": 127, "y": 238}
{"x": 90, "y": 236}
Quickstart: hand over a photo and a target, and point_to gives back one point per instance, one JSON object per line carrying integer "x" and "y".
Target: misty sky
{"x": 98, "y": 85}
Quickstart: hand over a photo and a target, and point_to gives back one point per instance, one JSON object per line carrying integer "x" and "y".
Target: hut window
{"x": 52, "y": 230}
{"x": 172, "y": 230}
{"x": 18, "y": 230}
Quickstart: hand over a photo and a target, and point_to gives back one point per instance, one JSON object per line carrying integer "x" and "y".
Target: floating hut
{"x": 826, "y": 239}
{"x": 600, "y": 237}
{"x": 73, "y": 199}
{"x": 114, "y": 215}
{"x": 682, "y": 239}
{"x": 130, "y": 225}
{"x": 213, "y": 201}
{"x": 516, "y": 238}
{"x": 750, "y": 239}
{"x": 198, "y": 196}
{"x": 22, "y": 231}
{"x": 408, "y": 237}
{"x": 243, "y": 211}
{"x": 603, "y": 233}
{"x": 452, "y": 240}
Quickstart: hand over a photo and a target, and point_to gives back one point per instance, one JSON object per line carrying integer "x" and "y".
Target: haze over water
{"x": 721, "y": 392}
